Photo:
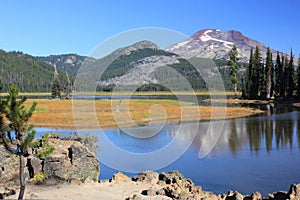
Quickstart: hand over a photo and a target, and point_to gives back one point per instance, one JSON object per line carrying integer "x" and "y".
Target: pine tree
{"x": 286, "y": 75}
{"x": 22, "y": 143}
{"x": 257, "y": 77}
{"x": 278, "y": 77}
{"x": 233, "y": 58}
{"x": 269, "y": 75}
{"x": 18, "y": 117}
{"x": 56, "y": 87}
{"x": 291, "y": 83}
{"x": 68, "y": 87}
{"x": 247, "y": 80}
{"x": 298, "y": 78}
{"x": 2, "y": 125}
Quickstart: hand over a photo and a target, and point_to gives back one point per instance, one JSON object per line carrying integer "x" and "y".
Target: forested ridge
{"x": 69, "y": 63}
{"x": 27, "y": 72}
{"x": 186, "y": 68}
{"x": 36, "y": 74}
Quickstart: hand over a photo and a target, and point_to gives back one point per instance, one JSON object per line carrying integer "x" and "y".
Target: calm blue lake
{"x": 252, "y": 154}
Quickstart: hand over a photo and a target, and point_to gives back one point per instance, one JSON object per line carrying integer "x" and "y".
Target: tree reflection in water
{"x": 282, "y": 128}
{"x": 275, "y": 131}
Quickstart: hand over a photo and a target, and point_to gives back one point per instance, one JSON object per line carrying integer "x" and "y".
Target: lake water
{"x": 259, "y": 153}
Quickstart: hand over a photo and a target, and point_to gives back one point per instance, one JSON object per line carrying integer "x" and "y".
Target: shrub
{"x": 38, "y": 179}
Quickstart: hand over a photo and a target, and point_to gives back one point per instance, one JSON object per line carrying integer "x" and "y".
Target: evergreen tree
{"x": 269, "y": 75}
{"x": 22, "y": 143}
{"x": 278, "y": 77}
{"x": 257, "y": 77}
{"x": 284, "y": 77}
{"x": 68, "y": 87}
{"x": 233, "y": 58}
{"x": 298, "y": 78}
{"x": 18, "y": 117}
{"x": 250, "y": 77}
{"x": 56, "y": 87}
{"x": 291, "y": 82}
{"x": 247, "y": 79}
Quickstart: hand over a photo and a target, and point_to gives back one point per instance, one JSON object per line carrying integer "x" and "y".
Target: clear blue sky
{"x": 44, "y": 27}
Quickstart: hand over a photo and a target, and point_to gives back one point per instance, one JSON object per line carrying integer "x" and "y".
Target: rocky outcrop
{"x": 146, "y": 185}
{"x": 70, "y": 161}
{"x": 9, "y": 166}
{"x": 294, "y": 192}
{"x": 119, "y": 177}
{"x": 173, "y": 185}
{"x": 170, "y": 184}
{"x": 147, "y": 177}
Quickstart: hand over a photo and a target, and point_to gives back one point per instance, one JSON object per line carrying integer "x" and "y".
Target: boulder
{"x": 71, "y": 160}
{"x": 150, "y": 192}
{"x": 9, "y": 166}
{"x": 34, "y": 166}
{"x": 119, "y": 177}
{"x": 278, "y": 195}
{"x": 6, "y": 192}
{"x": 172, "y": 185}
{"x": 179, "y": 182}
{"x": 294, "y": 192}
{"x": 134, "y": 197}
{"x": 234, "y": 195}
{"x": 256, "y": 196}
{"x": 147, "y": 177}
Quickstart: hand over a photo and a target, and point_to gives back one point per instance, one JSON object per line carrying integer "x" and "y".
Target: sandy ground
{"x": 91, "y": 190}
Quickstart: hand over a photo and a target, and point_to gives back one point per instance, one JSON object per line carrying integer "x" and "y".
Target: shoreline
{"x": 146, "y": 185}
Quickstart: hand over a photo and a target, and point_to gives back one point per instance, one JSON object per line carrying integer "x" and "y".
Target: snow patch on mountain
{"x": 181, "y": 44}
{"x": 205, "y": 37}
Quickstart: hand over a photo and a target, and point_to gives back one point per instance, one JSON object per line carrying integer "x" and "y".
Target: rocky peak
{"x": 145, "y": 44}
{"x": 201, "y": 33}
{"x": 216, "y": 44}
{"x": 134, "y": 47}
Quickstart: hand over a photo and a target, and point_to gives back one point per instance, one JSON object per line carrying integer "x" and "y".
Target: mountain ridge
{"x": 216, "y": 44}
{"x": 143, "y": 55}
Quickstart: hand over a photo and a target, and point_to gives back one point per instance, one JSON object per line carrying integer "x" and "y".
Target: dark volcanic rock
{"x": 234, "y": 195}
{"x": 71, "y": 160}
{"x": 9, "y": 166}
{"x": 294, "y": 192}
{"x": 146, "y": 176}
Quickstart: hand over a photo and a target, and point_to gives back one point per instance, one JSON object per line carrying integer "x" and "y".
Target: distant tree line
{"x": 31, "y": 74}
{"x": 265, "y": 79}
{"x": 27, "y": 72}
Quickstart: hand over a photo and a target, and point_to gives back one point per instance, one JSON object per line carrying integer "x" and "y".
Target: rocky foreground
{"x": 72, "y": 169}
{"x": 146, "y": 185}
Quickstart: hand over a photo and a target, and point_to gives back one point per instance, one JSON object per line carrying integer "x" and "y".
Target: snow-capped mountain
{"x": 215, "y": 44}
